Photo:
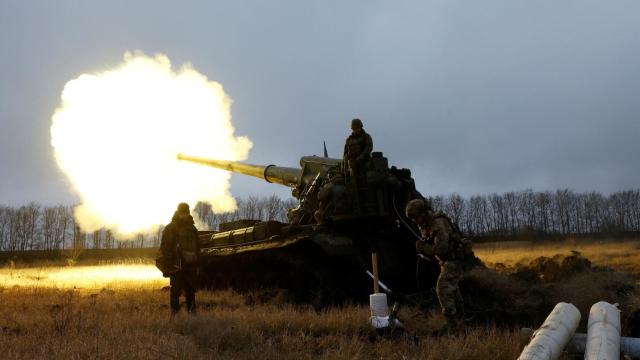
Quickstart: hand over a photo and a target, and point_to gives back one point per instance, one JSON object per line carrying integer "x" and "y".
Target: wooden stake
{"x": 374, "y": 263}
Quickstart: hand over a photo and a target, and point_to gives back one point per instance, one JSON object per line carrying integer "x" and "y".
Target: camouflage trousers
{"x": 183, "y": 281}
{"x": 448, "y": 290}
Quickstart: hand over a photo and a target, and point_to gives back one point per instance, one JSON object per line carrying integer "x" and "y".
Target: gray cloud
{"x": 472, "y": 96}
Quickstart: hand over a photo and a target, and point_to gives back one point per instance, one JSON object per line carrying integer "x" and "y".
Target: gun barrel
{"x": 270, "y": 173}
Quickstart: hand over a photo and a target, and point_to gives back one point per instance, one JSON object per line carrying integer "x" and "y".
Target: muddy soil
{"x": 524, "y": 294}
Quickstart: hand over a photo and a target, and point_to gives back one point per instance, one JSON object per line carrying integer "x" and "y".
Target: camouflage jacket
{"x": 442, "y": 238}
{"x": 358, "y": 146}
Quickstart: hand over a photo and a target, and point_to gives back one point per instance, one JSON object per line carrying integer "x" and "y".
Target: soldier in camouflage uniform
{"x": 442, "y": 239}
{"x": 180, "y": 250}
{"x": 357, "y": 150}
{"x": 330, "y": 198}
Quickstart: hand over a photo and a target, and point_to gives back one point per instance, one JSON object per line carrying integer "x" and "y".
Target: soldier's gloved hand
{"x": 424, "y": 248}
{"x": 430, "y": 240}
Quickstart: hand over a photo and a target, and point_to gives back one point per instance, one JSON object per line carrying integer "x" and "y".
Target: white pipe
{"x": 554, "y": 334}
{"x": 603, "y": 334}
{"x": 628, "y": 345}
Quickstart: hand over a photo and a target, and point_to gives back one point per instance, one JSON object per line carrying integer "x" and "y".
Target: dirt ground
{"x": 619, "y": 255}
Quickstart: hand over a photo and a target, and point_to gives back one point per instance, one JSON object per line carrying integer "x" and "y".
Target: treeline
{"x": 562, "y": 212}
{"x": 254, "y": 207}
{"x": 37, "y": 227}
{"x": 32, "y": 227}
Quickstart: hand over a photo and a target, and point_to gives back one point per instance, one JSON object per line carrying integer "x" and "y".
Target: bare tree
{"x": 108, "y": 239}
{"x": 272, "y": 207}
{"x": 158, "y": 236}
{"x": 6, "y": 213}
{"x": 49, "y": 227}
{"x": 140, "y": 240}
{"x": 454, "y": 207}
{"x": 63, "y": 225}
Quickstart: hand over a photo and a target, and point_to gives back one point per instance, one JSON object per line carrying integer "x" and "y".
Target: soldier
{"x": 180, "y": 250}
{"x": 442, "y": 238}
{"x": 357, "y": 150}
{"x": 331, "y": 198}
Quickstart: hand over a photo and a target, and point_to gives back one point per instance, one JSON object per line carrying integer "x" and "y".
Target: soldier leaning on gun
{"x": 442, "y": 238}
{"x": 180, "y": 251}
{"x": 357, "y": 150}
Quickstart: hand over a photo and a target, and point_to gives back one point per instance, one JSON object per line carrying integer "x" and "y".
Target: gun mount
{"x": 325, "y": 248}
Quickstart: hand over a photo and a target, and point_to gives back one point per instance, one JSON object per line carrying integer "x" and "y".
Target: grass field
{"x": 119, "y": 311}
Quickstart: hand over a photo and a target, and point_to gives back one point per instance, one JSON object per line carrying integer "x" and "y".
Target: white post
{"x": 378, "y": 301}
{"x": 374, "y": 265}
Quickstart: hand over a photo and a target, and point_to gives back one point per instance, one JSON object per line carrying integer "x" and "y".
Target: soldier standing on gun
{"x": 442, "y": 238}
{"x": 357, "y": 150}
{"x": 356, "y": 158}
{"x": 180, "y": 251}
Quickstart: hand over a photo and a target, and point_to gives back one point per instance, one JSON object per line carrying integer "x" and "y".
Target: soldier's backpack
{"x": 188, "y": 246}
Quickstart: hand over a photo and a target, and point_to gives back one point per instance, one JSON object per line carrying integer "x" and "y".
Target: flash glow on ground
{"x": 85, "y": 277}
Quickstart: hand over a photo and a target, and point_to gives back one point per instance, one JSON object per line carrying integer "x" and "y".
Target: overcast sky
{"x": 472, "y": 96}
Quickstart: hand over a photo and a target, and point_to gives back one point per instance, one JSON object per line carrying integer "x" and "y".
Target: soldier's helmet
{"x": 356, "y": 124}
{"x": 183, "y": 209}
{"x": 416, "y": 207}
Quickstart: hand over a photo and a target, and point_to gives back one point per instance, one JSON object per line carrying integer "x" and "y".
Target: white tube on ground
{"x": 554, "y": 334}
{"x": 603, "y": 334}
{"x": 628, "y": 345}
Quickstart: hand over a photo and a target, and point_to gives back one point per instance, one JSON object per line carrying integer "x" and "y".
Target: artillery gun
{"x": 324, "y": 251}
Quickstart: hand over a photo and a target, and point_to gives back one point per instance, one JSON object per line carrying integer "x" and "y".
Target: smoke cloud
{"x": 116, "y": 135}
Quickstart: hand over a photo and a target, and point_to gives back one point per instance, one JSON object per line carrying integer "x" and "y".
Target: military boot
{"x": 453, "y": 325}
{"x": 191, "y": 303}
{"x": 174, "y": 293}
{"x": 175, "y": 305}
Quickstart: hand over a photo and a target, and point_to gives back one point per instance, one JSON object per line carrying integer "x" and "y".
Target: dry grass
{"x": 135, "y": 324}
{"x": 80, "y": 312}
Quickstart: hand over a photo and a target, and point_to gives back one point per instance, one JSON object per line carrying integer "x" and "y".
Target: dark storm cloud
{"x": 472, "y": 96}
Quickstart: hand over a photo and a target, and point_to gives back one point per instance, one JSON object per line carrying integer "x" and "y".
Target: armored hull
{"x": 323, "y": 253}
